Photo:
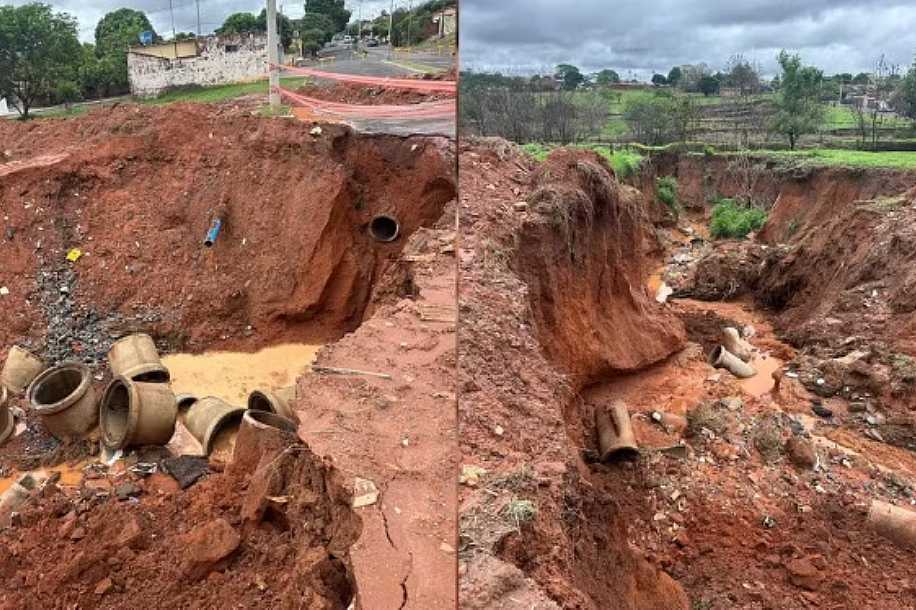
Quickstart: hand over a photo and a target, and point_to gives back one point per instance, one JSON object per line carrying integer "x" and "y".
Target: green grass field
{"x": 220, "y": 93}
{"x": 844, "y": 158}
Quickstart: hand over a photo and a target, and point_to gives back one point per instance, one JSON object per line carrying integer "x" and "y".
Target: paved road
{"x": 375, "y": 65}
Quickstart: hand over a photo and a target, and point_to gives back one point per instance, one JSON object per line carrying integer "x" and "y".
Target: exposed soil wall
{"x": 137, "y": 188}
{"x": 549, "y": 299}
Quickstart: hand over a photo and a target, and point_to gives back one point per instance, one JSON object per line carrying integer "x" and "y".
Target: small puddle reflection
{"x": 233, "y": 375}
{"x": 763, "y": 381}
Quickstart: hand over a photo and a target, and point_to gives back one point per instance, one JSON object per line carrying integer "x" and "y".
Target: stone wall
{"x": 220, "y": 60}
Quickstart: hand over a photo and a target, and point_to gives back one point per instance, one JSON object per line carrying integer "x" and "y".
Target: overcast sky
{"x": 646, "y": 36}
{"x": 212, "y": 12}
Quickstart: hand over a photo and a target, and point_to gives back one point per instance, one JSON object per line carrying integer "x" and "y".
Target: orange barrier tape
{"x": 441, "y": 86}
{"x": 430, "y": 110}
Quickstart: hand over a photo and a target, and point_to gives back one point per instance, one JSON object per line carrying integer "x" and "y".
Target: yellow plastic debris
{"x": 74, "y": 255}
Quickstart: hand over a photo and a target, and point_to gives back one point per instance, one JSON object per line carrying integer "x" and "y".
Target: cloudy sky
{"x": 212, "y": 12}
{"x": 646, "y": 36}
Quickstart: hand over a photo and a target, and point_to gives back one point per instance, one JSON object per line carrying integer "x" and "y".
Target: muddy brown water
{"x": 233, "y": 375}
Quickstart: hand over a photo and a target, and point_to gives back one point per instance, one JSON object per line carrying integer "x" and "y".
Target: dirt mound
{"x": 101, "y": 547}
{"x": 539, "y": 259}
{"x": 582, "y": 256}
{"x": 137, "y": 191}
{"x": 350, "y": 93}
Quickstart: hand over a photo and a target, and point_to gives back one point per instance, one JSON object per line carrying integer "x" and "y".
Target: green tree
{"x": 659, "y": 79}
{"x": 607, "y": 77}
{"x": 861, "y": 78}
{"x": 238, "y": 23}
{"x": 312, "y": 41}
{"x": 904, "y": 98}
{"x": 284, "y": 27}
{"x": 708, "y": 85}
{"x": 798, "y": 109}
{"x": 569, "y": 76}
{"x": 118, "y": 30}
{"x": 39, "y": 50}
{"x": 113, "y": 35}
{"x": 674, "y": 76}
{"x": 336, "y": 10}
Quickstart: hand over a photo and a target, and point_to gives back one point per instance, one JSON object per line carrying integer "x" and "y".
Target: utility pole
{"x": 391, "y": 31}
{"x": 273, "y": 54}
{"x": 409, "y": 21}
{"x": 197, "y": 2}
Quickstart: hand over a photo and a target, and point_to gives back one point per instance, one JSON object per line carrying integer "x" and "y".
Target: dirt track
{"x": 136, "y": 188}
{"x": 764, "y": 507}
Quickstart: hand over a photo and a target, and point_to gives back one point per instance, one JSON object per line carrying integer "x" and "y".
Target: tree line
{"x": 527, "y": 108}
{"x": 43, "y": 62}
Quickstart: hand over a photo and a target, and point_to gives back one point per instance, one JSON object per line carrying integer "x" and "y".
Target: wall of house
{"x": 220, "y": 60}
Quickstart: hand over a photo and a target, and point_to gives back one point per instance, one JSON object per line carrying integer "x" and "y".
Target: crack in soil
{"x": 404, "y": 594}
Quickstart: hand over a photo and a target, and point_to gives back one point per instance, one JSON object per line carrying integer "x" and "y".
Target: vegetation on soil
{"x": 220, "y": 93}
{"x": 625, "y": 163}
{"x": 731, "y": 219}
{"x": 666, "y": 190}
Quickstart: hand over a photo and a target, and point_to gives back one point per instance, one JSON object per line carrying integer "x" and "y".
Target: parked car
{"x": 372, "y": 42}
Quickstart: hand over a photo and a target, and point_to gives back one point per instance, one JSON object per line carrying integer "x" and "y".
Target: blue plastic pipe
{"x": 213, "y": 233}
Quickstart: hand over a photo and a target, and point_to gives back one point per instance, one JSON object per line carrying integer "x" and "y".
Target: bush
{"x": 666, "y": 189}
{"x": 625, "y": 163}
{"x": 733, "y": 219}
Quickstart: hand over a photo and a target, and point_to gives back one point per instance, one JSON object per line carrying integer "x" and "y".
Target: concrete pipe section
{"x": 208, "y": 416}
{"x": 384, "y": 228}
{"x": 7, "y": 423}
{"x": 64, "y": 399}
{"x": 721, "y": 358}
{"x": 615, "y": 433}
{"x": 732, "y": 341}
{"x": 262, "y": 436}
{"x": 20, "y": 368}
{"x": 133, "y": 414}
{"x": 893, "y": 522}
{"x": 184, "y": 402}
{"x": 276, "y": 401}
{"x": 136, "y": 358}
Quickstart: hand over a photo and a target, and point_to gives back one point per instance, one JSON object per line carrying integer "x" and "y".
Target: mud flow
{"x": 244, "y": 248}
{"x": 757, "y": 482}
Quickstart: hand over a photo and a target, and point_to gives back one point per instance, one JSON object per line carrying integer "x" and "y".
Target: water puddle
{"x": 763, "y": 381}
{"x": 71, "y": 475}
{"x": 233, "y": 375}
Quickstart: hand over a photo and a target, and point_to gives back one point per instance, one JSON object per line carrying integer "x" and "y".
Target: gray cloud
{"x": 212, "y": 12}
{"x": 639, "y": 38}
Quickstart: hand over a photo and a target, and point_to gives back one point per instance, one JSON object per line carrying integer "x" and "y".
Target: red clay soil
{"x": 351, "y": 93}
{"x": 138, "y": 188}
{"x": 305, "y": 270}
{"x": 764, "y": 504}
{"x": 534, "y": 532}
{"x": 399, "y": 432}
{"x": 221, "y": 542}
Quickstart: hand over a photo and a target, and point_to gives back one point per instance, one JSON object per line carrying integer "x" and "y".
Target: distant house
{"x": 209, "y": 60}
{"x": 447, "y": 20}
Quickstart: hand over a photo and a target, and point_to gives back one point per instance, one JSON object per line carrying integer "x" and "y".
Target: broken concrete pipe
{"x": 615, "y": 433}
{"x": 275, "y": 401}
{"x": 262, "y": 436}
{"x": 20, "y": 368}
{"x": 7, "y": 423}
{"x": 213, "y": 232}
{"x": 384, "y": 228}
{"x": 893, "y": 522}
{"x": 65, "y": 400}
{"x": 134, "y": 414}
{"x": 208, "y": 416}
{"x": 733, "y": 342}
{"x": 136, "y": 358}
{"x": 721, "y": 358}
